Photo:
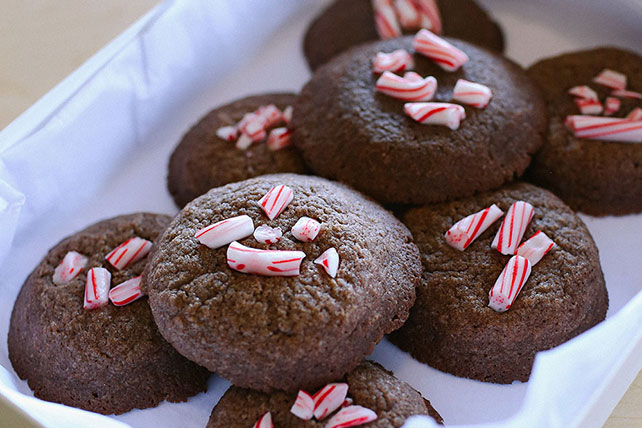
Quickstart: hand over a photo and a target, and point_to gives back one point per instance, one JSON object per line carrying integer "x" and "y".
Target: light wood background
{"x": 42, "y": 41}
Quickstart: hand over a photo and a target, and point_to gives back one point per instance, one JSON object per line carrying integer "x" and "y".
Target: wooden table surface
{"x": 42, "y": 41}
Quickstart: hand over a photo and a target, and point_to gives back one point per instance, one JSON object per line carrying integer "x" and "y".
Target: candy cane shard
{"x": 267, "y": 235}
{"x": 583, "y": 92}
{"x": 535, "y": 247}
{"x": 466, "y": 230}
{"x": 129, "y": 252}
{"x": 222, "y": 233}
{"x": 244, "y": 142}
{"x": 347, "y": 402}
{"x": 623, "y": 93}
{"x": 439, "y": 50}
{"x": 589, "y": 106}
{"x": 270, "y": 115}
{"x": 287, "y": 114}
{"x": 126, "y": 292}
{"x": 430, "y": 16}
{"x": 611, "y": 106}
{"x": 412, "y": 76}
{"x": 445, "y": 114}
{"x": 351, "y": 416}
{"x": 635, "y": 114}
{"x": 509, "y": 283}
{"x": 386, "y": 19}
{"x": 473, "y": 94}
{"x": 306, "y": 229}
{"x": 227, "y": 133}
{"x": 605, "y": 128}
{"x": 279, "y": 138}
{"x": 264, "y": 421}
{"x": 408, "y": 14}
{"x": 69, "y": 267}
{"x": 276, "y": 200}
{"x": 407, "y": 89}
{"x": 329, "y": 260}
{"x": 97, "y": 288}
{"x": 328, "y": 399}
{"x": 264, "y": 262}
{"x": 611, "y": 79}
{"x": 396, "y": 61}
{"x": 513, "y": 227}
{"x": 303, "y": 407}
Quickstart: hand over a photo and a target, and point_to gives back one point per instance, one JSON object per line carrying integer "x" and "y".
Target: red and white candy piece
{"x": 412, "y": 76}
{"x": 227, "y": 133}
{"x": 244, "y": 142}
{"x": 328, "y": 399}
{"x": 535, "y": 247}
{"x": 439, "y": 50}
{"x": 264, "y": 262}
{"x": 605, "y": 128}
{"x": 330, "y": 261}
{"x": 407, "y": 89}
{"x": 635, "y": 114}
{"x": 253, "y": 126}
{"x": 347, "y": 402}
{"x": 513, "y": 227}
{"x": 264, "y": 421}
{"x": 351, "y": 416}
{"x": 306, "y": 229}
{"x": 611, "y": 79}
{"x": 430, "y": 16}
{"x": 386, "y": 19}
{"x": 276, "y": 200}
{"x": 287, "y": 114}
{"x": 408, "y": 14}
{"x": 623, "y": 93}
{"x": 445, "y": 114}
{"x": 466, "y": 230}
{"x": 509, "y": 283}
{"x": 396, "y": 61}
{"x": 279, "y": 138}
{"x": 126, "y": 292}
{"x": 69, "y": 267}
{"x": 225, "y": 231}
{"x": 583, "y": 92}
{"x": 97, "y": 288}
{"x": 267, "y": 235}
{"x": 589, "y": 106}
{"x": 611, "y": 106}
{"x": 129, "y": 252}
{"x": 303, "y": 407}
{"x": 270, "y": 115}
{"x": 473, "y": 94}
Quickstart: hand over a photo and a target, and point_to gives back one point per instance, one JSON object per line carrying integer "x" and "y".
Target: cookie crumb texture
{"x": 107, "y": 360}
{"x": 370, "y": 386}
{"x": 451, "y": 326}
{"x": 595, "y": 177}
{"x": 284, "y": 333}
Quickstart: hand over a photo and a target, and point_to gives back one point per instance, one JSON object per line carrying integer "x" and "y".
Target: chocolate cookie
{"x": 348, "y": 131}
{"x": 202, "y": 160}
{"x": 346, "y": 23}
{"x": 106, "y": 360}
{"x": 369, "y": 385}
{"x": 451, "y": 326}
{"x": 283, "y": 332}
{"x": 597, "y": 177}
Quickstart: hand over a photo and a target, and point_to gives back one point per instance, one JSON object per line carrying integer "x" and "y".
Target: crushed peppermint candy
{"x": 227, "y": 133}
{"x": 69, "y": 267}
{"x": 276, "y": 200}
{"x": 535, "y": 247}
{"x": 605, "y": 128}
{"x": 471, "y": 93}
{"x": 445, "y": 114}
{"x": 386, "y": 19}
{"x": 254, "y": 125}
{"x": 509, "y": 284}
{"x": 611, "y": 106}
{"x": 635, "y": 114}
{"x": 303, "y": 406}
{"x": 430, "y": 16}
{"x": 328, "y": 399}
{"x": 329, "y": 260}
{"x": 97, "y": 288}
{"x": 623, "y": 93}
{"x": 583, "y": 92}
{"x": 126, "y": 292}
{"x": 225, "y": 231}
{"x": 287, "y": 114}
{"x": 267, "y": 235}
{"x": 408, "y": 14}
{"x": 306, "y": 229}
{"x": 264, "y": 262}
{"x": 351, "y": 416}
{"x": 407, "y": 89}
{"x": 244, "y": 142}
{"x": 264, "y": 421}
{"x": 466, "y": 230}
{"x": 611, "y": 79}
{"x": 347, "y": 402}
{"x": 129, "y": 252}
{"x": 439, "y": 50}
{"x": 589, "y": 106}
{"x": 396, "y": 61}
{"x": 279, "y": 138}
{"x": 513, "y": 227}
{"x": 270, "y": 115}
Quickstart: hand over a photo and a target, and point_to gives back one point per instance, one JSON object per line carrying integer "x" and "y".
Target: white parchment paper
{"x": 98, "y": 146}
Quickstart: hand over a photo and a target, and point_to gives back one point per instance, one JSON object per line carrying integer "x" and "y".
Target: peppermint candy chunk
{"x": 279, "y": 138}
{"x": 276, "y": 200}
{"x": 445, "y": 114}
{"x": 126, "y": 292}
{"x": 267, "y": 235}
{"x": 264, "y": 421}
{"x": 97, "y": 288}
{"x": 129, "y": 252}
{"x": 303, "y": 407}
{"x": 328, "y": 399}
{"x": 473, "y": 94}
{"x": 386, "y": 19}
{"x": 611, "y": 79}
{"x": 227, "y": 133}
{"x": 69, "y": 267}
{"x": 406, "y": 89}
{"x": 509, "y": 284}
{"x": 329, "y": 260}
{"x": 264, "y": 262}
{"x": 611, "y": 106}
{"x": 535, "y": 247}
{"x": 347, "y": 402}
{"x": 588, "y": 106}
{"x": 412, "y": 76}
{"x": 583, "y": 92}
{"x": 396, "y": 61}
{"x": 430, "y": 16}
{"x": 513, "y": 227}
{"x": 287, "y": 114}
{"x": 225, "y": 231}
{"x": 439, "y": 50}
{"x": 623, "y": 93}
{"x": 605, "y": 128}
{"x": 408, "y": 14}
{"x": 306, "y": 229}
{"x": 270, "y": 115}
{"x": 351, "y": 416}
{"x": 466, "y": 230}
{"x": 635, "y": 114}
{"x": 244, "y": 142}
